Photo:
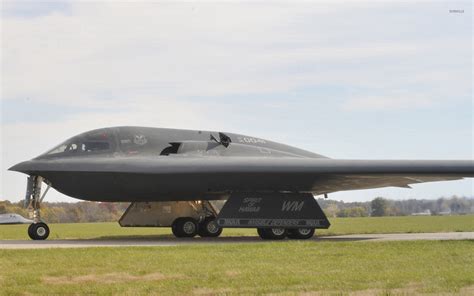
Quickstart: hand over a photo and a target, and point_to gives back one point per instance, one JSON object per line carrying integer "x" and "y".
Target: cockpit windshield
{"x": 77, "y": 147}
{"x": 88, "y": 143}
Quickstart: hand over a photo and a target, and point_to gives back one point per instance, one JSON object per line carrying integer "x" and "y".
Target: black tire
{"x": 209, "y": 228}
{"x": 272, "y": 233}
{"x": 30, "y": 231}
{"x": 301, "y": 233}
{"x": 184, "y": 227}
{"x": 38, "y": 231}
{"x": 262, "y": 233}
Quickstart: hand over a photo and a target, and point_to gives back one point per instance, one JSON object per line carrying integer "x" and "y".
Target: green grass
{"x": 288, "y": 267}
{"x": 339, "y": 226}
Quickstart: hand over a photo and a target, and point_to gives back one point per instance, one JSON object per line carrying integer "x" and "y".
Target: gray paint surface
{"x": 153, "y": 164}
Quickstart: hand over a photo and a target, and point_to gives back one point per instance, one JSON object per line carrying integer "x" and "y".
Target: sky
{"x": 346, "y": 79}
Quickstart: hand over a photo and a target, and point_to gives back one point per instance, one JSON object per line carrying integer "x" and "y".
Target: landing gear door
{"x": 261, "y": 210}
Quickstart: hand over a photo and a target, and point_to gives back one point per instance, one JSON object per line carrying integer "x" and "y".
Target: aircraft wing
{"x": 356, "y": 182}
{"x": 270, "y": 173}
{"x": 331, "y": 175}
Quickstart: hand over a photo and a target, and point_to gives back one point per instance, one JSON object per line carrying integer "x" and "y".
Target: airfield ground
{"x": 288, "y": 267}
{"x": 339, "y": 226}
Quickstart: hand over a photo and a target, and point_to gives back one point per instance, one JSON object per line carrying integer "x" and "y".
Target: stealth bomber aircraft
{"x": 173, "y": 178}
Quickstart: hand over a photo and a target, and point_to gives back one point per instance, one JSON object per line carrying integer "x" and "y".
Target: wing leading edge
{"x": 277, "y": 174}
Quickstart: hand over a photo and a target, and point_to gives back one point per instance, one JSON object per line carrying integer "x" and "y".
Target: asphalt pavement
{"x": 171, "y": 241}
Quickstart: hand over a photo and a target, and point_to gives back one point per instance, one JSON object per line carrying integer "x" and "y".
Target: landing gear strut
{"x": 38, "y": 230}
{"x": 203, "y": 223}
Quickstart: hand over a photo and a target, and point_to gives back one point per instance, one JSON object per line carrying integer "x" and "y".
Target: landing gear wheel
{"x": 272, "y": 233}
{"x": 184, "y": 227}
{"x": 262, "y": 232}
{"x": 38, "y": 231}
{"x": 30, "y": 231}
{"x": 301, "y": 233}
{"x": 209, "y": 228}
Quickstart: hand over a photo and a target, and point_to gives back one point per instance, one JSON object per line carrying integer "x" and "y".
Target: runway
{"x": 164, "y": 241}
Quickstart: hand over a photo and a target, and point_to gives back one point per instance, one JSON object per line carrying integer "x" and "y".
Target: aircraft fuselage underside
{"x": 120, "y": 187}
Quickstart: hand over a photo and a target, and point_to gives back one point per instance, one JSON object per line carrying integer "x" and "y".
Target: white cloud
{"x": 388, "y": 103}
{"x": 195, "y": 49}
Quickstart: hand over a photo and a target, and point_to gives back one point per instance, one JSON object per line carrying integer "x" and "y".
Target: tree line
{"x": 65, "y": 212}
{"x": 380, "y": 206}
{"x": 85, "y": 211}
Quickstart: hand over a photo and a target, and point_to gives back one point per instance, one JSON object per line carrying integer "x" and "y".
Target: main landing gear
{"x": 186, "y": 218}
{"x": 282, "y": 233}
{"x": 191, "y": 218}
{"x": 189, "y": 227}
{"x": 38, "y": 230}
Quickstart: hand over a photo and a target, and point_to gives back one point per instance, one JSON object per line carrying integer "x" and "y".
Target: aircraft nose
{"x": 22, "y": 167}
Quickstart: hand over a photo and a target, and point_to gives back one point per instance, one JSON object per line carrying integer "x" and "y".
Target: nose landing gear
{"x": 38, "y": 230}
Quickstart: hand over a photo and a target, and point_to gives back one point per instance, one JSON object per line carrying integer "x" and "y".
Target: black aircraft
{"x": 177, "y": 177}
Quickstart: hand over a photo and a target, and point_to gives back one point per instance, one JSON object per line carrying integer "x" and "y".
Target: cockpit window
{"x": 90, "y": 146}
{"x": 76, "y": 146}
{"x": 71, "y": 147}
{"x": 98, "y": 141}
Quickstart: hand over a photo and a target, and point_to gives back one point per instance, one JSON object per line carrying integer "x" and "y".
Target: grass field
{"x": 287, "y": 267}
{"x": 278, "y": 267}
{"x": 339, "y": 226}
